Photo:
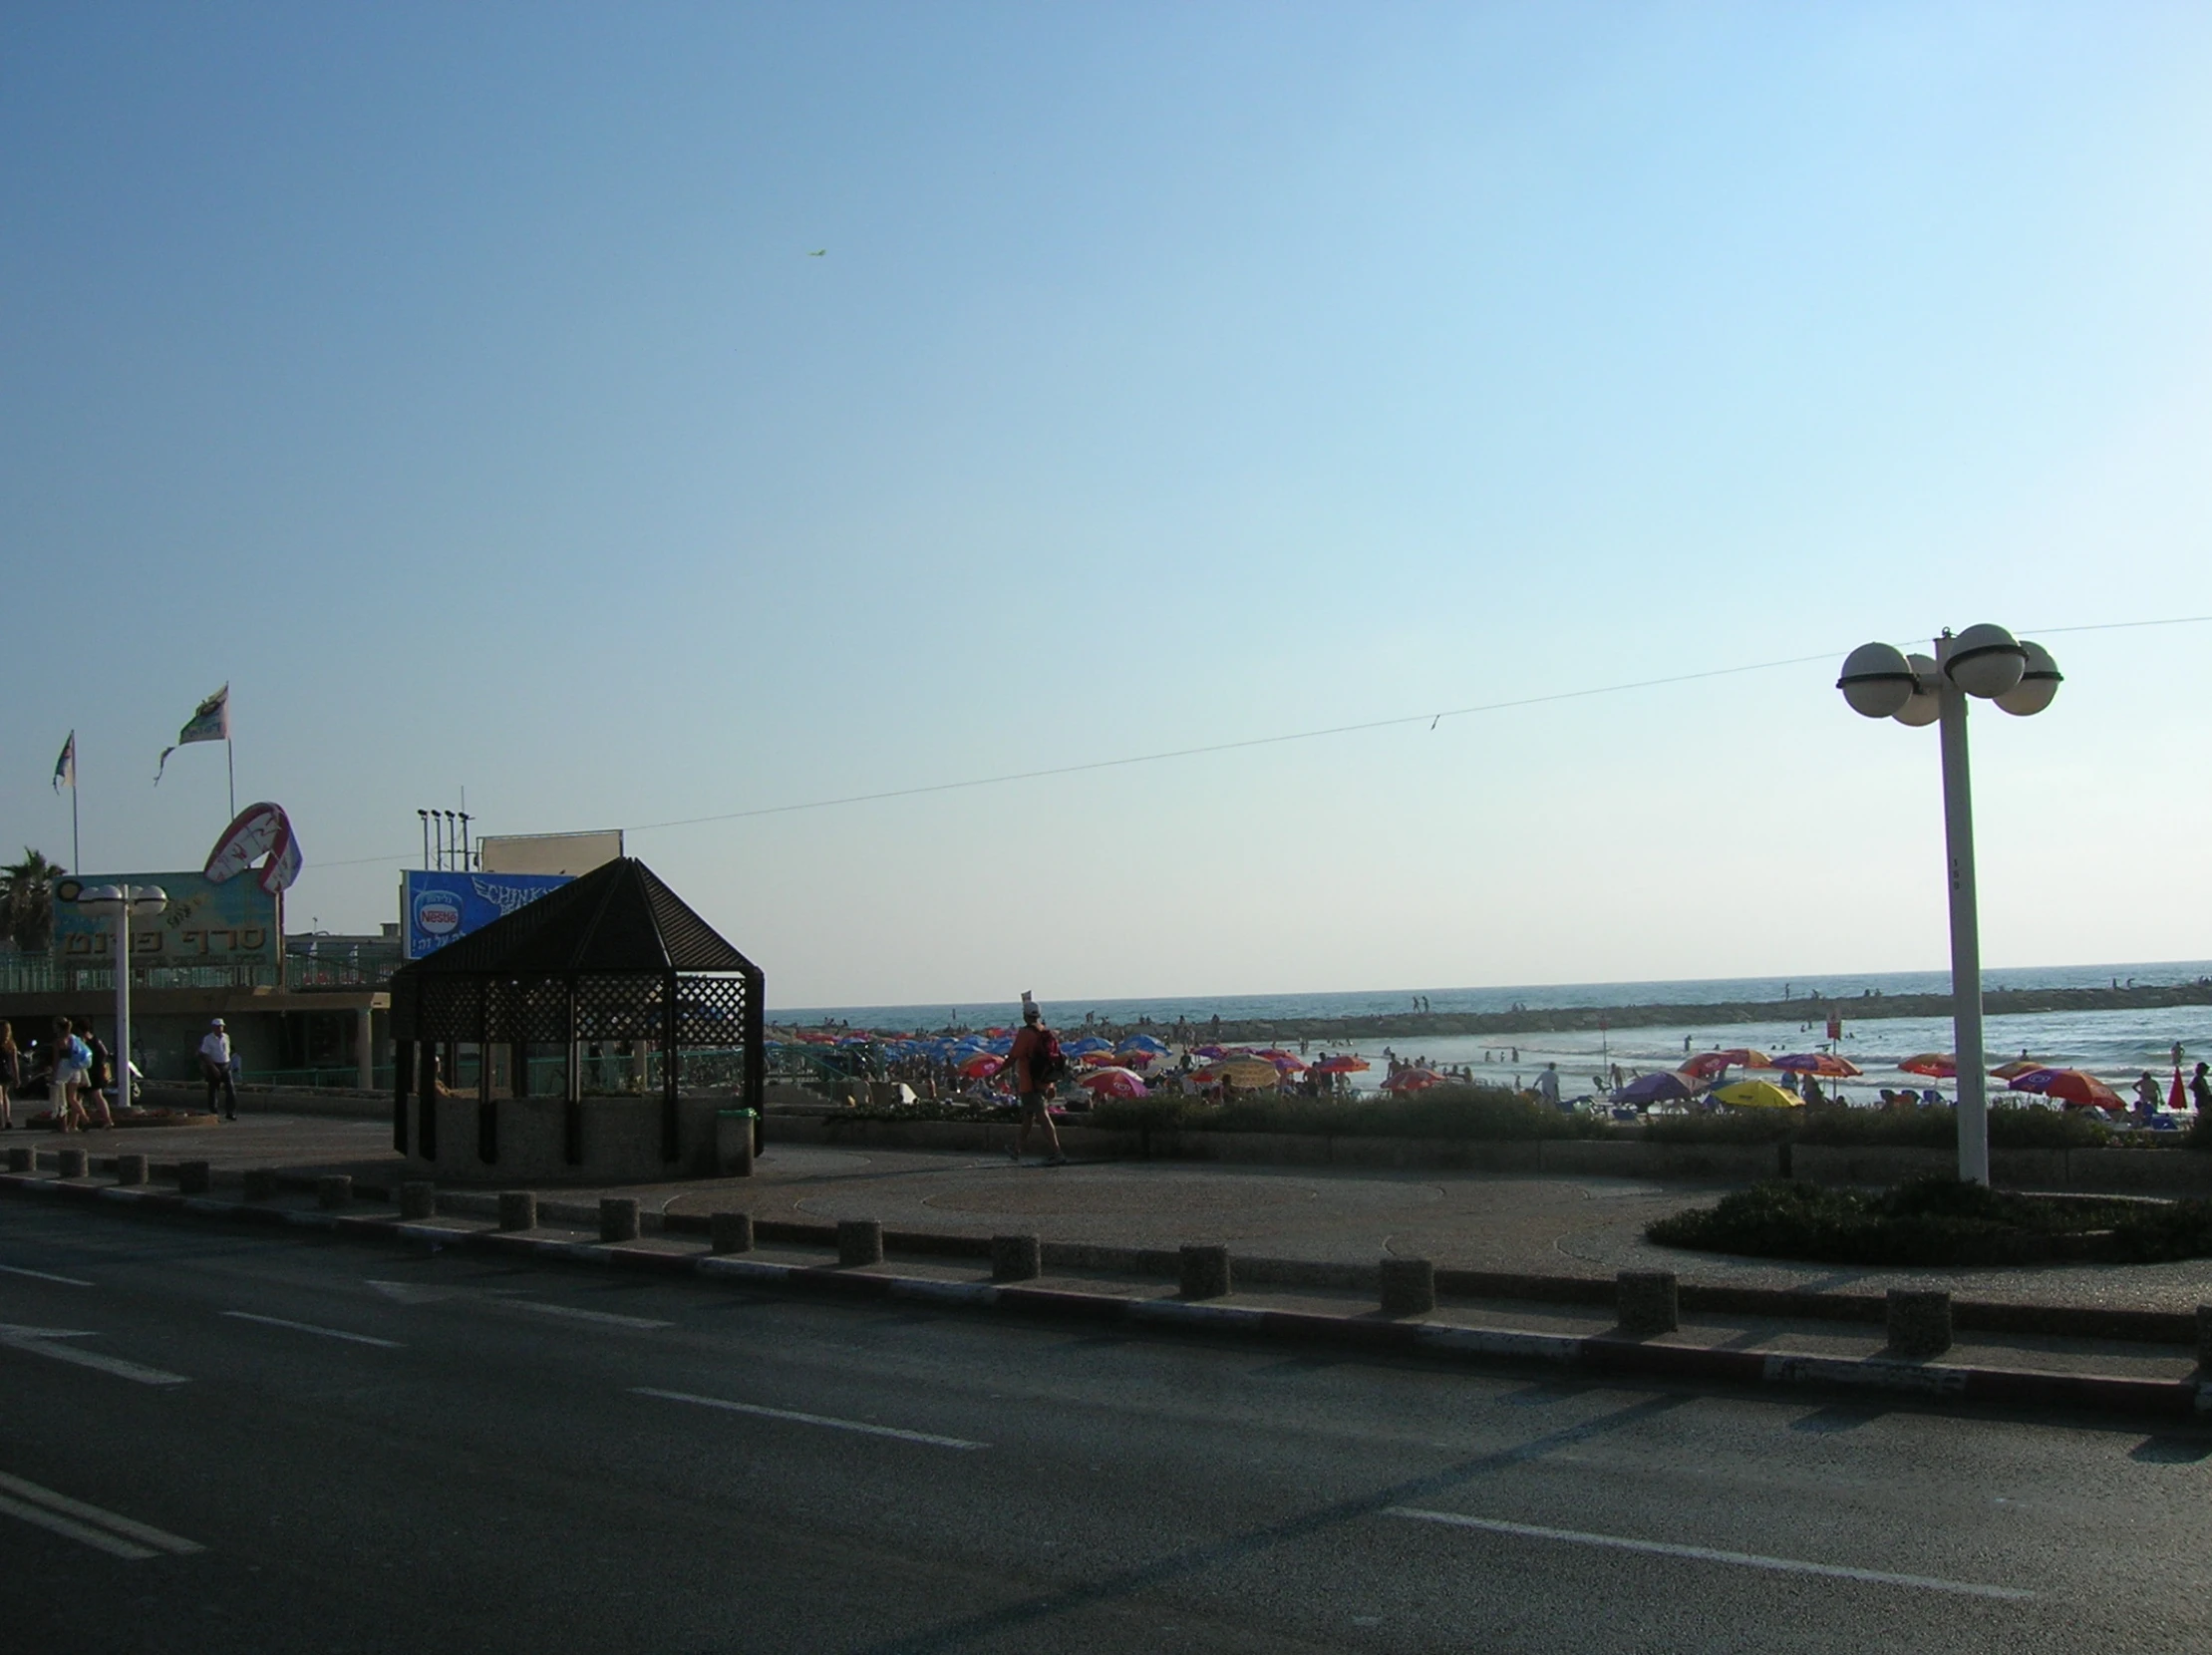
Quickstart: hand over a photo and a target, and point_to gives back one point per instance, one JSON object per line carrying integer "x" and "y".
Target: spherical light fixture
{"x": 1877, "y": 680}
{"x": 1985, "y": 661}
{"x": 1926, "y": 703}
{"x": 2036, "y": 686}
{"x": 103, "y": 901}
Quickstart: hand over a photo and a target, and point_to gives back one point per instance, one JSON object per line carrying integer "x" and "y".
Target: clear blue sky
{"x": 454, "y": 381}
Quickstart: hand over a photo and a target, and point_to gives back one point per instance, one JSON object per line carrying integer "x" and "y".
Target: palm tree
{"x": 27, "y": 902}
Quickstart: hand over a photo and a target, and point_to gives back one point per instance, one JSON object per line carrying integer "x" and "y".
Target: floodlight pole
{"x": 1966, "y": 932}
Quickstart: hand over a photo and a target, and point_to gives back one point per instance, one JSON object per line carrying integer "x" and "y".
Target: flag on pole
{"x": 65, "y": 767}
{"x": 210, "y": 721}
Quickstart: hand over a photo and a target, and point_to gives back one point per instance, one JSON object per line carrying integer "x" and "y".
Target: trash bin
{"x": 736, "y": 1140}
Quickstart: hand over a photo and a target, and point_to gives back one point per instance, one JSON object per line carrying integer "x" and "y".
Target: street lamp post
{"x": 1881, "y": 681}
{"x": 124, "y": 903}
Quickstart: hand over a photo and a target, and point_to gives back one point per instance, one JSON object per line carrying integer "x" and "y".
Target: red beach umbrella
{"x": 2018, "y": 1067}
{"x": 1342, "y": 1063}
{"x": 1937, "y": 1066}
{"x": 1114, "y": 1082}
{"x": 982, "y": 1066}
{"x": 1705, "y": 1065}
{"x": 2070, "y": 1085}
{"x": 1413, "y": 1080}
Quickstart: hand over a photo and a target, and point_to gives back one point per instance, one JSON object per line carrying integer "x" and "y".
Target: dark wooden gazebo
{"x": 613, "y": 959}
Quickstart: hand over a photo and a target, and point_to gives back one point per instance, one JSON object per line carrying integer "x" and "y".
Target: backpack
{"x": 1050, "y": 1066}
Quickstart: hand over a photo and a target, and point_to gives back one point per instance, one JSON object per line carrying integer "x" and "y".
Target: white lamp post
{"x": 1880, "y": 681}
{"x": 125, "y": 902}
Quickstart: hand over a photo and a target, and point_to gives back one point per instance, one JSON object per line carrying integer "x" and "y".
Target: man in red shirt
{"x": 1035, "y": 1056}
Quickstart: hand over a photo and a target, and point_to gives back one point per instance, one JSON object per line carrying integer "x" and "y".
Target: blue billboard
{"x": 434, "y": 908}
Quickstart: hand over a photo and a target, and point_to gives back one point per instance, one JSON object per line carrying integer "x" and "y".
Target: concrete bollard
{"x": 1647, "y": 1301}
{"x": 1919, "y": 1321}
{"x": 418, "y": 1199}
{"x": 2204, "y": 1337}
{"x": 1205, "y": 1270}
{"x": 729, "y": 1232}
{"x": 618, "y": 1218}
{"x": 1017, "y": 1258}
{"x": 70, "y": 1164}
{"x": 193, "y": 1177}
{"x": 334, "y": 1191}
{"x": 518, "y": 1209}
{"x": 130, "y": 1168}
{"x": 859, "y": 1241}
{"x": 22, "y": 1161}
{"x": 260, "y": 1183}
{"x": 1409, "y": 1286}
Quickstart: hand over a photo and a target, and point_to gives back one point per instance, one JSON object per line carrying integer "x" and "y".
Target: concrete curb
{"x": 1608, "y": 1354}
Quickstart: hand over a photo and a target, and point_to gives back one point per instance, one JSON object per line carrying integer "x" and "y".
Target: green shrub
{"x": 1484, "y": 1113}
{"x": 1934, "y": 1221}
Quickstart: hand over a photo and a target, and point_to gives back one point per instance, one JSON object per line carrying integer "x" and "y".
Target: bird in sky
{"x": 817, "y": 252}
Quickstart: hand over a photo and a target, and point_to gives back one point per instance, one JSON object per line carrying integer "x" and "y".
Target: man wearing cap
{"x": 214, "y": 1067}
{"x": 1035, "y": 1056}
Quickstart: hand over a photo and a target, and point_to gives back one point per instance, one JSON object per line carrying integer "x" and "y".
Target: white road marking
{"x": 42, "y": 1275}
{"x": 408, "y": 1292}
{"x": 861, "y": 1426}
{"x": 46, "y": 1341}
{"x": 606, "y": 1318}
{"x": 129, "y": 1527}
{"x": 310, "y": 1327}
{"x": 1743, "y": 1559}
{"x": 74, "y": 1531}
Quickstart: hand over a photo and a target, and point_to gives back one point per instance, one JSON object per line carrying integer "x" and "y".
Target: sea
{"x": 2114, "y": 1045}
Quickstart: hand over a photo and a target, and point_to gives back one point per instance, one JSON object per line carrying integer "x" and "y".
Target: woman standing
{"x": 11, "y": 1073}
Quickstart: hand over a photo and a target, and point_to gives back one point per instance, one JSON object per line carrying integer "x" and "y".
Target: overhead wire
{"x": 1245, "y": 744}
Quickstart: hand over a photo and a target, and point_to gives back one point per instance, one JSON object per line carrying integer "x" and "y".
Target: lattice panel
{"x": 711, "y": 1011}
{"x": 449, "y": 1009}
{"x": 621, "y": 1008}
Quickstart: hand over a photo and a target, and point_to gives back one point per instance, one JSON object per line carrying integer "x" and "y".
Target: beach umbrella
{"x": 2021, "y": 1066}
{"x": 1824, "y": 1063}
{"x": 1087, "y": 1045}
{"x": 982, "y": 1066}
{"x": 1663, "y": 1087}
{"x": 1937, "y": 1066}
{"x": 1212, "y": 1053}
{"x": 1143, "y": 1043}
{"x": 1413, "y": 1080}
{"x": 2178, "y": 1098}
{"x": 1705, "y": 1065}
{"x": 2068, "y": 1086}
{"x": 1114, "y": 1083}
{"x": 1284, "y": 1061}
{"x": 1756, "y": 1095}
{"x": 1245, "y": 1074}
{"x": 1344, "y": 1063}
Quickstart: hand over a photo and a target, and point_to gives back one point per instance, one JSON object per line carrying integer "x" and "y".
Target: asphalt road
{"x": 229, "y": 1441}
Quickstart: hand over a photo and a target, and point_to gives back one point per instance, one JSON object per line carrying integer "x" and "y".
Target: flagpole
{"x": 230, "y": 759}
{"x": 76, "y": 851}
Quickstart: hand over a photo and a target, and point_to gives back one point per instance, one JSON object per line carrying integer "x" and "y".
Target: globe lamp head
{"x": 1877, "y": 680}
{"x": 1985, "y": 661}
{"x": 2038, "y": 683}
{"x": 1925, "y": 705}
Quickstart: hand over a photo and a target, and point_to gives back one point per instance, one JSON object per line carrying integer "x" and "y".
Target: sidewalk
{"x": 1543, "y": 1225}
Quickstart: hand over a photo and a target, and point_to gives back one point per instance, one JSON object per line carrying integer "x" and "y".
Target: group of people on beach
{"x": 80, "y": 1071}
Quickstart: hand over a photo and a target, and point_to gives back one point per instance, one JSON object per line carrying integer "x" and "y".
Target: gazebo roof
{"x": 617, "y": 918}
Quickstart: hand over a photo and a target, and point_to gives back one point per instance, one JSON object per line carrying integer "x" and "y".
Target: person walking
{"x": 64, "y": 1074}
{"x": 1547, "y": 1085}
{"x": 2200, "y": 1089}
{"x": 215, "y": 1070}
{"x": 11, "y": 1073}
{"x": 1035, "y": 1059}
{"x": 2147, "y": 1096}
{"x": 98, "y": 1075}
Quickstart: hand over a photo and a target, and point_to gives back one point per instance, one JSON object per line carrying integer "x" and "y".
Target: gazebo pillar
{"x": 672, "y": 1147}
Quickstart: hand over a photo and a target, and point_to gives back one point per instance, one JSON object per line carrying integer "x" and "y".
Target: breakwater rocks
{"x": 2002, "y": 1002}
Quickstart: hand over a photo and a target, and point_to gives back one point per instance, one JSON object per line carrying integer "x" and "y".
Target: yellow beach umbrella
{"x": 1756, "y": 1095}
{"x": 1245, "y": 1074}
